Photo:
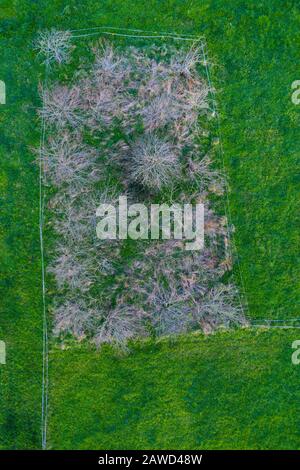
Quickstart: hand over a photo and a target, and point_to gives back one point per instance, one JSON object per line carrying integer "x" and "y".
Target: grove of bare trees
{"x": 132, "y": 123}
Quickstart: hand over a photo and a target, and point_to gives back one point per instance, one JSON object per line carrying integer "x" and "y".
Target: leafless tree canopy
{"x": 154, "y": 162}
{"x": 67, "y": 160}
{"x": 61, "y": 107}
{"x": 54, "y": 46}
{"x": 121, "y": 324}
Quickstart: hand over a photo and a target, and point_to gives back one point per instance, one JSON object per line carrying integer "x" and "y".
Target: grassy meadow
{"x": 232, "y": 390}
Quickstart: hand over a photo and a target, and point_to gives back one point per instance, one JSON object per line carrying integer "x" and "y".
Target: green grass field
{"x": 122, "y": 402}
{"x": 235, "y": 390}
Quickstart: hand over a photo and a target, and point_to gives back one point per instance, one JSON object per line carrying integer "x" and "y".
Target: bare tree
{"x": 153, "y": 163}
{"x": 74, "y": 317}
{"x": 123, "y": 323}
{"x": 67, "y": 160}
{"x": 107, "y": 92}
{"x": 221, "y": 307}
{"x": 185, "y": 64}
{"x": 172, "y": 93}
{"x": 54, "y": 45}
{"x": 111, "y": 65}
{"x": 73, "y": 271}
{"x": 76, "y": 219}
{"x": 179, "y": 106}
{"x": 61, "y": 106}
{"x": 201, "y": 170}
{"x": 170, "y": 311}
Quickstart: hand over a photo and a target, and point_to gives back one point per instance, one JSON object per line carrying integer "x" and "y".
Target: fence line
{"x": 167, "y": 34}
{"x": 178, "y": 38}
{"x": 45, "y": 371}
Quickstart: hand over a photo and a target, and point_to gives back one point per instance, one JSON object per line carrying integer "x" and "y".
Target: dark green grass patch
{"x": 236, "y": 390}
{"x": 20, "y": 278}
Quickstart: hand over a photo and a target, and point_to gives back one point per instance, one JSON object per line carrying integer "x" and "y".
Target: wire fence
{"x": 45, "y": 369}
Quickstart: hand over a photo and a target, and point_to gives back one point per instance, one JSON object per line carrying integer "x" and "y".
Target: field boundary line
{"x": 45, "y": 369}
{"x": 178, "y": 38}
{"x": 134, "y": 30}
